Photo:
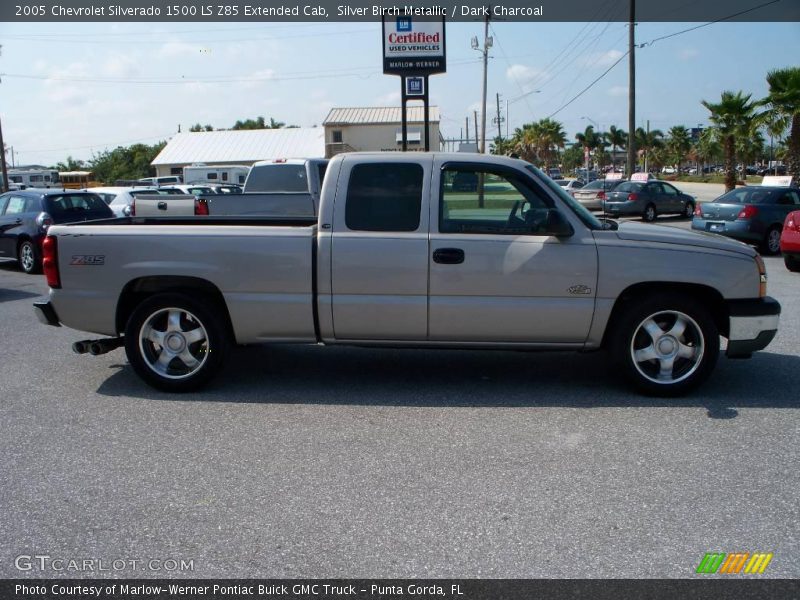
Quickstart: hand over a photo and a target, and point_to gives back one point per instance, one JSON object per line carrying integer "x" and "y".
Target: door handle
{"x": 162, "y": 206}
{"x": 18, "y": 222}
{"x": 448, "y": 256}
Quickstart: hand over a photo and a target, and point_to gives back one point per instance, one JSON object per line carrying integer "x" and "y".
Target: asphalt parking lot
{"x": 350, "y": 462}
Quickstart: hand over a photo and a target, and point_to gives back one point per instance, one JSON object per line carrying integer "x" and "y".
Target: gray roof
{"x": 248, "y": 145}
{"x": 376, "y": 115}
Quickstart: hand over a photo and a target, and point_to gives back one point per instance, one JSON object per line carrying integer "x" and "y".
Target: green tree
{"x": 131, "y": 162}
{"x": 707, "y": 149}
{"x": 617, "y": 138}
{"x": 590, "y": 139}
{"x": 732, "y": 116}
{"x": 197, "y": 127}
{"x": 783, "y": 102}
{"x": 678, "y": 145}
{"x": 259, "y": 123}
{"x": 71, "y": 165}
{"x": 572, "y": 158}
{"x": 647, "y": 142}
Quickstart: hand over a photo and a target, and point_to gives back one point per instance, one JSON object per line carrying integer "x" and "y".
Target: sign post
{"x": 413, "y": 49}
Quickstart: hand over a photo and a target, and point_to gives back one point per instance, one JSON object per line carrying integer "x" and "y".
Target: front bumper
{"x": 753, "y": 325}
{"x": 46, "y": 313}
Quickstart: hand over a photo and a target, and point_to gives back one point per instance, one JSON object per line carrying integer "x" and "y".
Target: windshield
{"x": 582, "y": 213}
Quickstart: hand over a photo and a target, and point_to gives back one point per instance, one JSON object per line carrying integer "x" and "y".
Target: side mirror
{"x": 557, "y": 224}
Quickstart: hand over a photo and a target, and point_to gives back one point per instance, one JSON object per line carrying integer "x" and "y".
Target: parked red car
{"x": 790, "y": 241}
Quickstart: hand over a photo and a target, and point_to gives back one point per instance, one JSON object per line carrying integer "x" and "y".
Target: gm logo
{"x": 403, "y": 23}
{"x": 732, "y": 564}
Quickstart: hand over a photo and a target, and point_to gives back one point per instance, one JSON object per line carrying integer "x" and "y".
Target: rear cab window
{"x": 384, "y": 197}
{"x": 278, "y": 178}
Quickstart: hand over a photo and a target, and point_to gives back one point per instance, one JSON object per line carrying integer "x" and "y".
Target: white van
{"x": 220, "y": 174}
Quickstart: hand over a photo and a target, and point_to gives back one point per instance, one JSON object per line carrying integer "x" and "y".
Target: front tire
{"x": 666, "y": 345}
{"x": 650, "y": 213}
{"x": 175, "y": 343}
{"x": 792, "y": 263}
{"x": 688, "y": 210}
{"x": 28, "y": 258}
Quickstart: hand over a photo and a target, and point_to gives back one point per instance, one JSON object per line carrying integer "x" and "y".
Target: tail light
{"x": 748, "y": 212}
{"x": 130, "y": 210}
{"x": 601, "y": 196}
{"x": 792, "y": 222}
{"x": 43, "y": 221}
{"x": 762, "y": 276}
{"x": 698, "y": 211}
{"x": 201, "y": 207}
{"x": 50, "y": 261}
{"x": 633, "y": 197}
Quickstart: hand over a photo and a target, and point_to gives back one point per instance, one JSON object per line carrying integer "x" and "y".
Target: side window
{"x": 3, "y": 202}
{"x": 475, "y": 201}
{"x": 669, "y": 190}
{"x": 788, "y": 199}
{"x": 384, "y": 197}
{"x": 16, "y": 205}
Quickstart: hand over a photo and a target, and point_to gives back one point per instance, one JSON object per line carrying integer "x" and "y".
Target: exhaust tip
{"x": 80, "y": 348}
{"x": 97, "y": 348}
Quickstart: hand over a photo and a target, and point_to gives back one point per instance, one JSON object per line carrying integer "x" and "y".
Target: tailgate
{"x": 164, "y": 205}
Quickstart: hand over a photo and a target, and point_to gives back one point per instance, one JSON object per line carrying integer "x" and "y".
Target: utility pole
{"x": 487, "y": 43}
{"x": 499, "y": 119}
{"x": 477, "y": 140}
{"x": 467, "y": 120}
{"x": 3, "y": 161}
{"x": 631, "y": 90}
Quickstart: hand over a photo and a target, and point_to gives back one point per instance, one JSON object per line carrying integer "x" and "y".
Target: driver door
{"x": 496, "y": 276}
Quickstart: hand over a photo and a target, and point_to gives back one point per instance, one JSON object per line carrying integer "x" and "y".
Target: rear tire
{"x": 650, "y": 214}
{"x": 792, "y": 263}
{"x": 772, "y": 241}
{"x": 176, "y": 343}
{"x": 28, "y": 257}
{"x": 665, "y": 345}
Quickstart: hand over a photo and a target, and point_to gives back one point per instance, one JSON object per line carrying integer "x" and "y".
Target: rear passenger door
{"x": 379, "y": 249}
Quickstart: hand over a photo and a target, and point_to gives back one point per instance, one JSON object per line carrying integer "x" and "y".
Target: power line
{"x": 588, "y": 87}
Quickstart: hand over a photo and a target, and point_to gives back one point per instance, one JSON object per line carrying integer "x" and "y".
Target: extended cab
{"x": 403, "y": 255}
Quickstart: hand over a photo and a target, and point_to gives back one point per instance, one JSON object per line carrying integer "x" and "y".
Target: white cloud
{"x": 175, "y": 49}
{"x": 525, "y": 76}
{"x": 257, "y": 79}
{"x": 120, "y": 66}
{"x": 618, "y": 90}
{"x": 687, "y": 53}
{"x": 606, "y": 59}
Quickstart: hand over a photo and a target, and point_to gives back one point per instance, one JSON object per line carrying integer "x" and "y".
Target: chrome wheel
{"x": 173, "y": 343}
{"x": 27, "y": 257}
{"x": 773, "y": 242}
{"x": 667, "y": 347}
{"x": 688, "y": 210}
{"x": 650, "y": 213}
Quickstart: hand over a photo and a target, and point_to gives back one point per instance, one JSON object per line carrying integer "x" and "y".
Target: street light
{"x": 512, "y": 100}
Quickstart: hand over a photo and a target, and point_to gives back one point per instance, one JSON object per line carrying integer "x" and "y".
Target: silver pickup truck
{"x": 414, "y": 249}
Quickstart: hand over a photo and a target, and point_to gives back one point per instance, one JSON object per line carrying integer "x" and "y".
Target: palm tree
{"x": 539, "y": 142}
{"x": 707, "y": 147}
{"x": 783, "y": 101}
{"x": 589, "y": 140}
{"x": 732, "y": 116}
{"x": 678, "y": 145}
{"x": 647, "y": 141}
{"x": 618, "y": 139}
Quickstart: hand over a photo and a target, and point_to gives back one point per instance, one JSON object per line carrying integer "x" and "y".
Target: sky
{"x": 78, "y": 89}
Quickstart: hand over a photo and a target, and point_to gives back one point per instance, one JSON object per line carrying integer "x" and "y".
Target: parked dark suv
{"x": 26, "y": 215}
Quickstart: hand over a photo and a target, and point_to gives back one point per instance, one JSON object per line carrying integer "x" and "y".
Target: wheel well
{"x": 710, "y": 298}
{"x": 138, "y": 290}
